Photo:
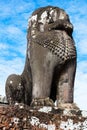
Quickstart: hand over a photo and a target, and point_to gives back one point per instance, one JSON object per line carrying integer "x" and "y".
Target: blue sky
{"x": 14, "y": 15}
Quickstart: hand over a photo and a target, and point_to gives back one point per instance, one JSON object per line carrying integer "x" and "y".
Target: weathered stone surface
{"x": 52, "y": 54}
{"x": 50, "y": 60}
{"x": 23, "y": 117}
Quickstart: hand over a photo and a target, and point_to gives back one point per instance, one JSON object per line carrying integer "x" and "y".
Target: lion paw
{"x": 68, "y": 106}
{"x": 42, "y": 102}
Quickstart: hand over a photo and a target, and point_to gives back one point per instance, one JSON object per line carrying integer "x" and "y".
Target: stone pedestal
{"x": 23, "y": 117}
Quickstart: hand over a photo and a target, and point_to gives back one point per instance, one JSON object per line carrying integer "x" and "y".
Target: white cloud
{"x": 81, "y": 37}
{"x": 3, "y": 46}
{"x": 12, "y": 8}
{"x": 83, "y": 46}
{"x": 4, "y": 10}
{"x": 81, "y": 85}
{"x": 14, "y": 33}
{"x": 13, "y": 30}
{"x": 15, "y": 39}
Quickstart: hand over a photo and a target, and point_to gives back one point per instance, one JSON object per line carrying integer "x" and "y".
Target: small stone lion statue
{"x": 18, "y": 87}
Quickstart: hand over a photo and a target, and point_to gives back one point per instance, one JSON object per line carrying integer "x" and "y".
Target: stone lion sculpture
{"x": 51, "y": 57}
{"x": 19, "y": 87}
